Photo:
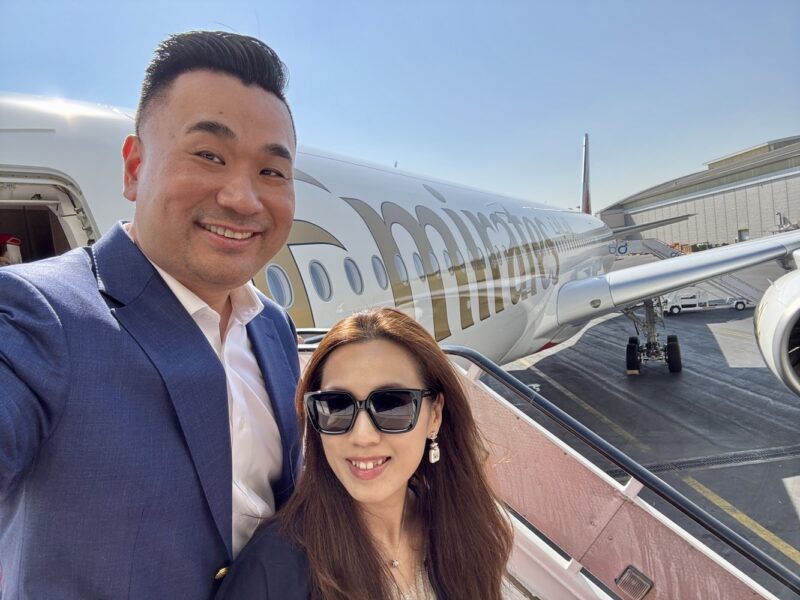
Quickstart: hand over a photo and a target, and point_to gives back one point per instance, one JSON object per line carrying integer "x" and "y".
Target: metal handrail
{"x": 622, "y": 460}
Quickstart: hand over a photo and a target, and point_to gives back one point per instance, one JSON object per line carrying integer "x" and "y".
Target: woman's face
{"x": 374, "y": 467}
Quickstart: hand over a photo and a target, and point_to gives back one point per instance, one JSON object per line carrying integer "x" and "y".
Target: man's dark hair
{"x": 244, "y": 57}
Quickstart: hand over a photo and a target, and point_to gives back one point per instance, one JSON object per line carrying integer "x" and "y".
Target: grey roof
{"x": 784, "y": 156}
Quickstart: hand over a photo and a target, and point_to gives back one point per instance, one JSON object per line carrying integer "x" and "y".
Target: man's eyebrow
{"x": 279, "y": 150}
{"x": 214, "y": 128}
{"x": 221, "y": 130}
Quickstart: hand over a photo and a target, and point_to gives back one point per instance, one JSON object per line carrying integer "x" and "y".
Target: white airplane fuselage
{"x": 475, "y": 268}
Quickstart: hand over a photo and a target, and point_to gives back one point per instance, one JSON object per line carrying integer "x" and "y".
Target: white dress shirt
{"x": 256, "y": 451}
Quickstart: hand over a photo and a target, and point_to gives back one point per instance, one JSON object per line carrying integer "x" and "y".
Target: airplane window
{"x": 320, "y": 279}
{"x": 353, "y": 275}
{"x": 434, "y": 263}
{"x": 459, "y": 260}
{"x": 448, "y": 263}
{"x": 401, "y": 268}
{"x": 380, "y": 272}
{"x": 419, "y": 267}
{"x": 279, "y": 287}
{"x": 481, "y": 260}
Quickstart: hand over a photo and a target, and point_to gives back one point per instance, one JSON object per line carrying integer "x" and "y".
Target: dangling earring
{"x": 433, "y": 449}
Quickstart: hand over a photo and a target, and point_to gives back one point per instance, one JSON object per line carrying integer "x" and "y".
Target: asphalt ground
{"x": 724, "y": 431}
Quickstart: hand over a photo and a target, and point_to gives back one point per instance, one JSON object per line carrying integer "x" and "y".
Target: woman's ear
{"x": 436, "y": 414}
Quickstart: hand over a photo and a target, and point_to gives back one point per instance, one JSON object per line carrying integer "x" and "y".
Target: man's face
{"x": 211, "y": 175}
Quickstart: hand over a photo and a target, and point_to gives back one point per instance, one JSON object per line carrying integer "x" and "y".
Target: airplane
{"x": 503, "y": 276}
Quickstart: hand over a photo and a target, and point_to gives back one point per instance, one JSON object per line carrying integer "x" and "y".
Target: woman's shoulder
{"x": 270, "y": 566}
{"x": 272, "y": 537}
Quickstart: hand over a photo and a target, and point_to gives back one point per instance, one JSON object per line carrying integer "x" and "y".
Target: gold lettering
{"x": 429, "y": 218}
{"x": 380, "y": 226}
{"x": 482, "y": 225}
{"x": 480, "y": 274}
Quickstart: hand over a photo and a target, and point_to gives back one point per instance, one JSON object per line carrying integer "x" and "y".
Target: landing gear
{"x": 636, "y": 353}
{"x": 673, "y": 352}
{"x": 633, "y": 361}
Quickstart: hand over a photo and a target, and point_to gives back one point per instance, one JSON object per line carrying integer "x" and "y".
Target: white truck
{"x": 695, "y": 298}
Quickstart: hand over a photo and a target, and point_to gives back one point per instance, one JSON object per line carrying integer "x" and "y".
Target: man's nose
{"x": 363, "y": 432}
{"x": 240, "y": 194}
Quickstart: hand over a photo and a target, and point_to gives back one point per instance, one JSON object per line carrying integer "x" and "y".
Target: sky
{"x": 495, "y": 95}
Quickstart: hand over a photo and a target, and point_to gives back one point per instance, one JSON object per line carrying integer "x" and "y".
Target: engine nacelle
{"x": 777, "y": 328}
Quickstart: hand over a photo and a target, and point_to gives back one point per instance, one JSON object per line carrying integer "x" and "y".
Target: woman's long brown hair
{"x": 467, "y": 538}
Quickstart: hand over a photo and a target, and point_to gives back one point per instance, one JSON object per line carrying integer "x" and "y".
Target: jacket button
{"x": 221, "y": 573}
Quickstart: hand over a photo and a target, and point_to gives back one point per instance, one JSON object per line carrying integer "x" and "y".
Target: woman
{"x": 393, "y": 501}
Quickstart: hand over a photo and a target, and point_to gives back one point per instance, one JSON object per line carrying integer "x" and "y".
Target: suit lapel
{"x": 191, "y": 371}
{"x": 280, "y": 386}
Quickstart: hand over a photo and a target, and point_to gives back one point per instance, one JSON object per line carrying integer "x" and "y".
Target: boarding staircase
{"x": 728, "y": 285}
{"x": 579, "y": 533}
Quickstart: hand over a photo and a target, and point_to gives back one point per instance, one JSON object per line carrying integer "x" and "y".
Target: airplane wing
{"x": 621, "y": 232}
{"x": 585, "y": 299}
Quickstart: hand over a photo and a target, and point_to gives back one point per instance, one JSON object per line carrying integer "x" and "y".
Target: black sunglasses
{"x": 390, "y": 410}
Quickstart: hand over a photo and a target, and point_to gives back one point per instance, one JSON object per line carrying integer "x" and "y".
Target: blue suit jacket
{"x": 115, "y": 452}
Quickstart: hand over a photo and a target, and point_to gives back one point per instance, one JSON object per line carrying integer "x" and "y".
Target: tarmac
{"x": 724, "y": 431}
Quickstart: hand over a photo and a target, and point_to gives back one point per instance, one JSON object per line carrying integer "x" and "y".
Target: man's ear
{"x": 132, "y": 159}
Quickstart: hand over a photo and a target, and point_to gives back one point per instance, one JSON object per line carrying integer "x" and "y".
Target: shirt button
{"x": 240, "y": 423}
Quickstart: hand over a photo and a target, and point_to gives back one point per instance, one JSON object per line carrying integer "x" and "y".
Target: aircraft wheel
{"x": 674, "y": 310}
{"x": 673, "y": 354}
{"x": 633, "y": 362}
{"x": 739, "y": 305}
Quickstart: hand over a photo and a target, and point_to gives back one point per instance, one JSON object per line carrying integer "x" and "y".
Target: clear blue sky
{"x": 493, "y": 95}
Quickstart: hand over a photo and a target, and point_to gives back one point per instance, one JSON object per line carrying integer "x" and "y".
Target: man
{"x": 147, "y": 423}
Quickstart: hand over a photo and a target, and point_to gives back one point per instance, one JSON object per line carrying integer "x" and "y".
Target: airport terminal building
{"x": 746, "y": 195}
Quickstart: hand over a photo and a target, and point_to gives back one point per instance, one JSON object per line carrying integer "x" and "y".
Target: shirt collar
{"x": 245, "y": 303}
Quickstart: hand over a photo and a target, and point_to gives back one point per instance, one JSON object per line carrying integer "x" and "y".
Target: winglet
{"x": 586, "y": 203}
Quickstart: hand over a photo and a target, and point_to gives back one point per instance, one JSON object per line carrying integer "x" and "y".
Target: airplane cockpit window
{"x": 353, "y": 275}
{"x": 380, "y": 272}
{"x": 320, "y": 280}
{"x": 448, "y": 263}
{"x": 279, "y": 286}
{"x": 419, "y": 267}
{"x": 401, "y": 269}
{"x": 434, "y": 263}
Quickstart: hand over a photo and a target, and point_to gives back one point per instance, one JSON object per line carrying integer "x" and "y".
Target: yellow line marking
{"x": 761, "y": 531}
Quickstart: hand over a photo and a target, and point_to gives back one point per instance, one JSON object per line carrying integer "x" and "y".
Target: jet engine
{"x": 777, "y": 327}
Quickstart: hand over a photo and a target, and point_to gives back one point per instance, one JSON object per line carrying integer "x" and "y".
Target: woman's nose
{"x": 364, "y": 432}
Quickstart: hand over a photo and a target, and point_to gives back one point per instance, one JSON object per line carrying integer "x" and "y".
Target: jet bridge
{"x": 580, "y": 534}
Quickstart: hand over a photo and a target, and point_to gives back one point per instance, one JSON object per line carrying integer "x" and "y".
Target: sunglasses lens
{"x": 333, "y": 411}
{"x": 393, "y": 409}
